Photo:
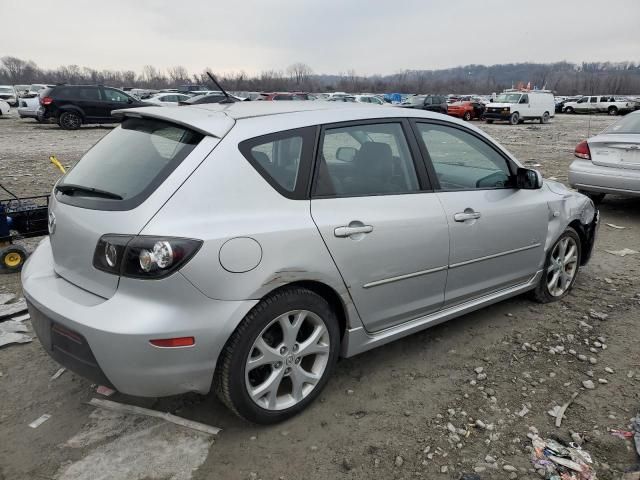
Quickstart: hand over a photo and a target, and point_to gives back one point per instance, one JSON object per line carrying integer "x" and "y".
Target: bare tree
{"x": 299, "y": 73}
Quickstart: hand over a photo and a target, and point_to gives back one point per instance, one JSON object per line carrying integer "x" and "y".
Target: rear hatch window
{"x": 127, "y": 165}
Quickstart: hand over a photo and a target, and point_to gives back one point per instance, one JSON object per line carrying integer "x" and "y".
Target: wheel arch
{"x": 586, "y": 244}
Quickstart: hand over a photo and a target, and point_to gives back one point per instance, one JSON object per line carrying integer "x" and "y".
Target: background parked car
{"x": 433, "y": 103}
{"x": 560, "y": 104}
{"x": 516, "y": 106}
{"x": 29, "y": 108}
{"x": 209, "y": 98}
{"x": 610, "y": 161}
{"x": 167, "y": 99}
{"x": 4, "y": 108}
{"x": 368, "y": 99}
{"x": 8, "y": 94}
{"x": 72, "y": 105}
{"x": 285, "y": 96}
{"x": 600, "y": 104}
{"x": 466, "y": 110}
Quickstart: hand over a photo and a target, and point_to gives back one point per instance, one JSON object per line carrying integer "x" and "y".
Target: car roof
{"x": 217, "y": 119}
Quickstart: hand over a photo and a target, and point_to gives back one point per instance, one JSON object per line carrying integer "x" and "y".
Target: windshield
{"x": 132, "y": 160}
{"x": 508, "y": 98}
{"x": 628, "y": 124}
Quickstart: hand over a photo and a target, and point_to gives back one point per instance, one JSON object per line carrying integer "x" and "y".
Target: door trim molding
{"x": 495, "y": 255}
{"x": 384, "y": 281}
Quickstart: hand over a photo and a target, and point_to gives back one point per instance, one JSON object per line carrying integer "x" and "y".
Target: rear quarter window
{"x": 130, "y": 162}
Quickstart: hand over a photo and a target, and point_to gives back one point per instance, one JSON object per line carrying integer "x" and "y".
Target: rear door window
{"x": 130, "y": 163}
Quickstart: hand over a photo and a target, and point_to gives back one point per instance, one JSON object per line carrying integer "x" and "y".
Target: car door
{"x": 582, "y": 105}
{"x": 497, "y": 232}
{"x": 114, "y": 100}
{"x": 382, "y": 223}
{"x": 88, "y": 99}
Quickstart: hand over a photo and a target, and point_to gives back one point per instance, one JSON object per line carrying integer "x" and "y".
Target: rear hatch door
{"x": 116, "y": 188}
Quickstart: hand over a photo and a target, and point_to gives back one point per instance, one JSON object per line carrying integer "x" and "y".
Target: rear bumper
{"x": 107, "y": 340}
{"x": 587, "y": 176}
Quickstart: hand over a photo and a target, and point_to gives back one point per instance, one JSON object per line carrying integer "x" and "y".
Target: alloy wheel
{"x": 563, "y": 266}
{"x": 287, "y": 360}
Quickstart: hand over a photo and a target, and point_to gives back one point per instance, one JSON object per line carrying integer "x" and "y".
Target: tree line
{"x": 564, "y": 78}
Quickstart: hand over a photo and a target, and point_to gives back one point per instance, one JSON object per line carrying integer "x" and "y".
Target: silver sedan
{"x": 610, "y": 161}
{"x": 246, "y": 247}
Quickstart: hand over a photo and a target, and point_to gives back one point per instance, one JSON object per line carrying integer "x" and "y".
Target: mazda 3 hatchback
{"x": 245, "y": 247}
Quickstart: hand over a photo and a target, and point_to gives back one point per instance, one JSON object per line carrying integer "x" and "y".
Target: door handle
{"x": 468, "y": 214}
{"x": 348, "y": 231}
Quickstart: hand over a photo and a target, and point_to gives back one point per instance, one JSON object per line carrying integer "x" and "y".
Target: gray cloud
{"x": 331, "y": 36}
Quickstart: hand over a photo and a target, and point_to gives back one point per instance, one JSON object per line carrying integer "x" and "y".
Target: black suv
{"x": 73, "y": 105}
{"x": 433, "y": 103}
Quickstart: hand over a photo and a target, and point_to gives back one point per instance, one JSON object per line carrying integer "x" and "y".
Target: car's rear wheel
{"x": 70, "y": 121}
{"x": 280, "y": 357}
{"x": 467, "y": 116}
{"x": 612, "y": 110}
{"x": 514, "y": 119}
{"x": 561, "y": 268}
{"x": 596, "y": 197}
{"x": 568, "y": 110}
{"x": 544, "y": 118}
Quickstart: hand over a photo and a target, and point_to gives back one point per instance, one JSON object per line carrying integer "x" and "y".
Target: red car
{"x": 466, "y": 110}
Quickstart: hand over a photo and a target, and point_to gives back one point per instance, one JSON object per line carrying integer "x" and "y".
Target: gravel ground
{"x": 406, "y": 410}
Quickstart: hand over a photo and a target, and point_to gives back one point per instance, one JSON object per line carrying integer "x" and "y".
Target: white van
{"x": 517, "y": 106}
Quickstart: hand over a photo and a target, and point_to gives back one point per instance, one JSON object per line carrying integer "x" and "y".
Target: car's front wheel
{"x": 467, "y": 116}
{"x": 561, "y": 268}
{"x": 514, "y": 119}
{"x": 544, "y": 118}
{"x": 280, "y": 357}
{"x": 70, "y": 121}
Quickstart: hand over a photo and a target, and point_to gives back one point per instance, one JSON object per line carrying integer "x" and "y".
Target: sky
{"x": 331, "y": 36}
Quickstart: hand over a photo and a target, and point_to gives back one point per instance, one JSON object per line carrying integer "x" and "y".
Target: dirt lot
{"x": 385, "y": 414}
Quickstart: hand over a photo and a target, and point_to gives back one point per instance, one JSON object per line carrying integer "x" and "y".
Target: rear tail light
{"x": 142, "y": 256}
{"x": 46, "y": 101}
{"x": 582, "y": 150}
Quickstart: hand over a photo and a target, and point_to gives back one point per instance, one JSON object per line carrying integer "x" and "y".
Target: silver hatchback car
{"x": 244, "y": 248}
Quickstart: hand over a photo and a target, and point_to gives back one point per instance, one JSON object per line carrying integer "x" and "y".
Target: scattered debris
{"x": 588, "y": 384}
{"x": 563, "y": 409}
{"x": 39, "y": 421}
{"x": 13, "y": 332}
{"x": 613, "y": 225}
{"x": 10, "y": 309}
{"x": 58, "y": 374}
{"x": 21, "y": 318}
{"x": 134, "y": 410}
{"x": 598, "y": 315}
{"x": 524, "y": 411}
{"x": 622, "y": 253}
{"x": 558, "y": 461}
{"x": 106, "y": 391}
{"x": 621, "y": 434}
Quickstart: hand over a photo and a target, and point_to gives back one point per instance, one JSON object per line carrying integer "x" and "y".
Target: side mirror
{"x": 528, "y": 179}
{"x": 346, "y": 154}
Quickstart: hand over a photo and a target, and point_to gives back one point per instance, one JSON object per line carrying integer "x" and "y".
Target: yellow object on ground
{"x": 57, "y": 163}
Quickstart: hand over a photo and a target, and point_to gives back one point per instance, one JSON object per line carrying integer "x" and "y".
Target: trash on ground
{"x": 106, "y": 391}
{"x": 58, "y": 373}
{"x": 13, "y": 332}
{"x": 613, "y": 225}
{"x": 622, "y": 434}
{"x": 36, "y": 423}
{"x": 11, "y": 309}
{"x": 6, "y": 298}
{"x": 561, "y": 462}
{"x": 134, "y": 410}
{"x": 622, "y": 253}
{"x": 563, "y": 409}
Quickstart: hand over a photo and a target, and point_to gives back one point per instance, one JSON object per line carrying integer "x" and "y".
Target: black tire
{"x": 70, "y": 121}
{"x": 568, "y": 110}
{"x": 229, "y": 380}
{"x": 541, "y": 294}
{"x": 545, "y": 117}
{"x": 596, "y": 197}
{"x": 467, "y": 116}
{"x": 612, "y": 110}
{"x": 12, "y": 258}
{"x": 514, "y": 119}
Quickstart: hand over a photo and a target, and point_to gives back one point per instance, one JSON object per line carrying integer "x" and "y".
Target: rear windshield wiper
{"x": 67, "y": 188}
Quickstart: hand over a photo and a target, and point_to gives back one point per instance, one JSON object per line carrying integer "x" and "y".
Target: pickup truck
{"x": 600, "y": 103}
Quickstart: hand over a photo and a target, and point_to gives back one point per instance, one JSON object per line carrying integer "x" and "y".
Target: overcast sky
{"x": 331, "y": 36}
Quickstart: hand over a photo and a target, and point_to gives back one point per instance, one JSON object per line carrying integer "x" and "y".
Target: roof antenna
{"x": 228, "y": 98}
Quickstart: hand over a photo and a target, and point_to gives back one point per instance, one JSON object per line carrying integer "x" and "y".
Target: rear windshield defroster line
{"x": 128, "y": 164}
